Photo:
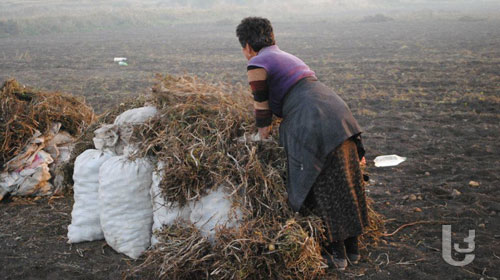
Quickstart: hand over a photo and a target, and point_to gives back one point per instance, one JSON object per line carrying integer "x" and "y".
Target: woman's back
{"x": 283, "y": 71}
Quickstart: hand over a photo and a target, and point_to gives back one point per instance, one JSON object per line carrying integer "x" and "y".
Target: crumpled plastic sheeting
{"x": 106, "y": 138}
{"x": 32, "y": 179}
{"x": 29, "y": 172}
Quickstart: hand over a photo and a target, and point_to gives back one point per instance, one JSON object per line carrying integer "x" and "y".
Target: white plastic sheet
{"x": 30, "y": 171}
{"x": 164, "y": 213}
{"x": 214, "y": 210}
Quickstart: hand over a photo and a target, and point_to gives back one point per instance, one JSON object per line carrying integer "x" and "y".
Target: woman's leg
{"x": 338, "y": 197}
{"x": 337, "y": 255}
{"x": 333, "y": 251}
{"x": 352, "y": 249}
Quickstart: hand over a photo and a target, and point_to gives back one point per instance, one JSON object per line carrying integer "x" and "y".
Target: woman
{"x": 320, "y": 136}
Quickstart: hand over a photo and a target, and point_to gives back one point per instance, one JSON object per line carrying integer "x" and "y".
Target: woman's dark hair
{"x": 255, "y": 31}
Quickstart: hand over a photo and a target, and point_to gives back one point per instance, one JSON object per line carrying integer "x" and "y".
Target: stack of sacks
{"x": 121, "y": 200}
{"x": 112, "y": 193}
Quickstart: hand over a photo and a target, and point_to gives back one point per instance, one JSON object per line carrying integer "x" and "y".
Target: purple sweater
{"x": 283, "y": 71}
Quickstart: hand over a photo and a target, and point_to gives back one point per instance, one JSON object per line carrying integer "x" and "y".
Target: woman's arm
{"x": 263, "y": 115}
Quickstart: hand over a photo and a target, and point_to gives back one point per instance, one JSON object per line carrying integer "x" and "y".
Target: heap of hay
{"x": 24, "y": 110}
{"x": 196, "y": 136}
{"x": 36, "y": 133}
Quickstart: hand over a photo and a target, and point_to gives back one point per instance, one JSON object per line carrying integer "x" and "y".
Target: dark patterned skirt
{"x": 338, "y": 194}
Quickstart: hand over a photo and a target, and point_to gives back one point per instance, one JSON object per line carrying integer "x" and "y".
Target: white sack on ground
{"x": 214, "y": 210}
{"x": 136, "y": 115}
{"x": 164, "y": 213}
{"x": 85, "y": 221}
{"x": 125, "y": 202}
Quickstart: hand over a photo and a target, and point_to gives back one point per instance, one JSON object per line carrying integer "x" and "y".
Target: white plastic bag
{"x": 388, "y": 160}
{"x": 136, "y": 115}
{"x": 85, "y": 223}
{"x": 214, "y": 210}
{"x": 125, "y": 202}
{"x": 164, "y": 213}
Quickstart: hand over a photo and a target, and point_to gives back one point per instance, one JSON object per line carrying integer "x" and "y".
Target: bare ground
{"x": 428, "y": 91}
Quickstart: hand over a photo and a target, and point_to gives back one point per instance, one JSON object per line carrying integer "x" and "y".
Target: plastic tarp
{"x": 214, "y": 210}
{"x": 164, "y": 213}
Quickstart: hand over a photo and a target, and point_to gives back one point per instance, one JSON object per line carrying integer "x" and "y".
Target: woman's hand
{"x": 264, "y": 132}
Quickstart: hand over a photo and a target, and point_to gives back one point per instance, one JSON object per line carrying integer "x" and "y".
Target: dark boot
{"x": 352, "y": 249}
{"x": 336, "y": 256}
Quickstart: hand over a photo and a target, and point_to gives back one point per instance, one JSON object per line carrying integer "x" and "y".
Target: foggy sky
{"x": 233, "y": 9}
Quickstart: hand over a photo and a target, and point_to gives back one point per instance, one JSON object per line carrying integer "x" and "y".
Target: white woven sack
{"x": 136, "y": 115}
{"x": 126, "y": 208}
{"x": 164, "y": 213}
{"x": 124, "y": 125}
{"x": 85, "y": 223}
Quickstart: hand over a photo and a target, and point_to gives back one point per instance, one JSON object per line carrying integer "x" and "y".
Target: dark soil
{"x": 428, "y": 91}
